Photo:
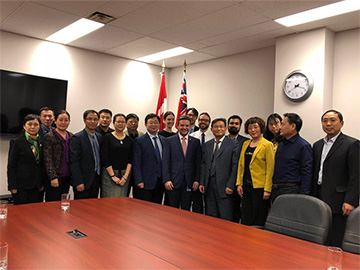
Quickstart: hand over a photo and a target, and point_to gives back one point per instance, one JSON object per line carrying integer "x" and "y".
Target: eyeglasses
{"x": 92, "y": 119}
{"x": 105, "y": 117}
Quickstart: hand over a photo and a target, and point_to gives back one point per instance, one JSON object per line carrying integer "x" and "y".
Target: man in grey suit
{"x": 218, "y": 171}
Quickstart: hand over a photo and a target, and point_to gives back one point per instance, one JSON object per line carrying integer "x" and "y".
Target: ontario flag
{"x": 162, "y": 102}
{"x": 182, "y": 107}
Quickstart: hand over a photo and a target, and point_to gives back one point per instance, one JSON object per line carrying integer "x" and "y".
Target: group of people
{"x": 196, "y": 165}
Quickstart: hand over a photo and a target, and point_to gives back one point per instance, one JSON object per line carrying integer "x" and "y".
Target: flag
{"x": 182, "y": 107}
{"x": 162, "y": 102}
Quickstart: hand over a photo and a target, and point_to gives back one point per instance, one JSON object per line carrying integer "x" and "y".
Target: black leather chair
{"x": 351, "y": 241}
{"x": 300, "y": 216}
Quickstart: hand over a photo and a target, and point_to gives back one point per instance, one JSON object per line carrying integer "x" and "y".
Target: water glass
{"x": 334, "y": 258}
{"x": 65, "y": 201}
{"x": 3, "y": 209}
{"x": 3, "y": 255}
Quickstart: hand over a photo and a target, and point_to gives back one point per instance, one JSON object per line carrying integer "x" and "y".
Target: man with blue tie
{"x": 85, "y": 163}
{"x": 181, "y": 170}
{"x": 147, "y": 162}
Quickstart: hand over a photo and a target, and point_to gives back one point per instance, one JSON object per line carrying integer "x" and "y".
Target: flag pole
{"x": 184, "y": 65}
{"x": 163, "y": 67}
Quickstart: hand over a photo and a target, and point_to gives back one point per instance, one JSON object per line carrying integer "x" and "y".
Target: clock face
{"x": 297, "y": 86}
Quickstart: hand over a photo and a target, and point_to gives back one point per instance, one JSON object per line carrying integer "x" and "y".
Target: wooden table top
{"x": 129, "y": 233}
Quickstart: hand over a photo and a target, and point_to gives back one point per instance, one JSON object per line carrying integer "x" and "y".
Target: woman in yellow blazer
{"x": 255, "y": 171}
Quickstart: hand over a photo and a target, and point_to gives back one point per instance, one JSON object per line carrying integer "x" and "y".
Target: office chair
{"x": 351, "y": 241}
{"x": 300, "y": 216}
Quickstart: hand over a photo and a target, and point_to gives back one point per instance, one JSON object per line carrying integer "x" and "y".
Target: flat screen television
{"x": 22, "y": 94}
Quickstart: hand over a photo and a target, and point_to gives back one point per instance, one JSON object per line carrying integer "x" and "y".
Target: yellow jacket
{"x": 261, "y": 165}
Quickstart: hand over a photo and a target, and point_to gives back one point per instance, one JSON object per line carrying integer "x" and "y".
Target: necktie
{"x": 97, "y": 155}
{"x": 202, "y": 140}
{"x": 216, "y": 150}
{"x": 183, "y": 144}
{"x": 158, "y": 156}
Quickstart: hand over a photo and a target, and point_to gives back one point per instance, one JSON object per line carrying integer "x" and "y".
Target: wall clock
{"x": 298, "y": 86}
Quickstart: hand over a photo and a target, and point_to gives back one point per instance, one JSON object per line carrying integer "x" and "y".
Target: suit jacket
{"x": 241, "y": 139}
{"x": 82, "y": 161}
{"x": 145, "y": 164}
{"x": 226, "y": 165}
{"x": 139, "y": 132}
{"x": 340, "y": 179}
{"x": 176, "y": 166}
{"x": 261, "y": 165}
{"x": 22, "y": 170}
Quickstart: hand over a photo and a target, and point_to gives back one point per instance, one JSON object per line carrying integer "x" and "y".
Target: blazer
{"x": 177, "y": 167}
{"x": 82, "y": 161}
{"x": 340, "y": 179}
{"x": 139, "y": 132}
{"x": 53, "y": 151}
{"x": 145, "y": 164}
{"x": 261, "y": 165}
{"x": 22, "y": 171}
{"x": 226, "y": 165}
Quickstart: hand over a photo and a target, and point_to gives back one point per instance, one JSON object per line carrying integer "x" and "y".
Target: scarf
{"x": 34, "y": 145}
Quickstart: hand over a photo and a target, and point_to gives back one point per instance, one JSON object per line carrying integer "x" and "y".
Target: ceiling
{"x": 212, "y": 29}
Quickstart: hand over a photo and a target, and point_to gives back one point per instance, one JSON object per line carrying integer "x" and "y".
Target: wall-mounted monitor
{"x": 22, "y": 94}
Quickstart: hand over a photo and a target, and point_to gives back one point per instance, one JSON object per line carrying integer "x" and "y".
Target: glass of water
{"x": 334, "y": 258}
{"x": 3, "y": 255}
{"x": 3, "y": 209}
{"x": 65, "y": 201}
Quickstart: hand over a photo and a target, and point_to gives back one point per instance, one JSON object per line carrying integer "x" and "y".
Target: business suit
{"x": 82, "y": 165}
{"x": 24, "y": 173}
{"x": 182, "y": 170}
{"x": 147, "y": 170}
{"x": 225, "y": 164}
{"x": 340, "y": 180}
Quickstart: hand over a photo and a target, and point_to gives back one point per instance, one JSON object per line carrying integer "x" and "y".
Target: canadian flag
{"x": 162, "y": 102}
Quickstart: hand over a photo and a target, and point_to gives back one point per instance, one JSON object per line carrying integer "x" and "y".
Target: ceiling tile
{"x": 105, "y": 38}
{"x": 274, "y": 9}
{"x": 191, "y": 58}
{"x": 140, "y": 47}
{"x": 118, "y": 9}
{"x": 220, "y": 22}
{"x": 37, "y": 21}
{"x": 8, "y": 7}
{"x": 78, "y": 8}
{"x": 162, "y": 15}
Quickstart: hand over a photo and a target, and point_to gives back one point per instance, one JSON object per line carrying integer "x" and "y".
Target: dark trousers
{"x": 54, "y": 193}
{"x": 276, "y": 192}
{"x": 235, "y": 202}
{"x": 24, "y": 196}
{"x": 92, "y": 192}
{"x": 197, "y": 202}
{"x": 155, "y": 195}
{"x": 255, "y": 208}
{"x": 216, "y": 206}
{"x": 180, "y": 197}
{"x": 337, "y": 230}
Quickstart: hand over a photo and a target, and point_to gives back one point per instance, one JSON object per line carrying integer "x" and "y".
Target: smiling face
{"x": 218, "y": 129}
{"x": 132, "y": 124}
{"x": 184, "y": 127}
{"x": 32, "y": 127}
{"x": 204, "y": 122}
{"x": 105, "y": 120}
{"x": 91, "y": 121}
{"x": 152, "y": 125}
{"x": 274, "y": 126}
{"x": 120, "y": 123}
{"x": 234, "y": 126}
{"x": 62, "y": 122}
{"x": 254, "y": 130}
{"x": 331, "y": 124}
{"x": 47, "y": 118}
{"x": 169, "y": 121}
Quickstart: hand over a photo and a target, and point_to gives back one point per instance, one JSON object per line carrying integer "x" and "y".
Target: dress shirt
{"x": 45, "y": 129}
{"x": 293, "y": 163}
{"x": 328, "y": 143}
{"x": 157, "y": 141}
{"x": 220, "y": 143}
{"x": 186, "y": 139}
{"x": 208, "y": 135}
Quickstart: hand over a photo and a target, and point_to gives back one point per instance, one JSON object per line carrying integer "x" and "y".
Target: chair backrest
{"x": 351, "y": 241}
{"x": 300, "y": 216}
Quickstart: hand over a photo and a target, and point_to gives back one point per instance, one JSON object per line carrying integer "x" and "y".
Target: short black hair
{"x": 235, "y": 116}
{"x": 118, "y": 115}
{"x": 195, "y": 111}
{"x": 255, "y": 120}
{"x": 46, "y": 109}
{"x": 183, "y": 117}
{"x": 150, "y": 116}
{"x": 205, "y": 113}
{"x": 294, "y": 118}
{"x": 105, "y": 111}
{"x": 217, "y": 120}
{"x": 132, "y": 115}
{"x": 31, "y": 117}
{"x": 88, "y": 112}
{"x": 61, "y": 112}
{"x": 168, "y": 113}
{"x": 334, "y": 111}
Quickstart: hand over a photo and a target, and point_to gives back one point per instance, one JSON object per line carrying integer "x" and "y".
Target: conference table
{"x": 133, "y": 234}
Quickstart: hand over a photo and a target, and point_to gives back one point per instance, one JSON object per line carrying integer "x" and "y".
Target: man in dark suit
{"x": 193, "y": 114}
{"x": 218, "y": 171}
{"x": 234, "y": 125}
{"x": 336, "y": 173}
{"x": 147, "y": 162}
{"x": 181, "y": 173}
{"x": 85, "y": 163}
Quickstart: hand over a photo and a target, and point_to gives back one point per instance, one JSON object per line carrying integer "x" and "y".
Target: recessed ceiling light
{"x": 320, "y": 13}
{"x": 74, "y": 31}
{"x": 164, "y": 54}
